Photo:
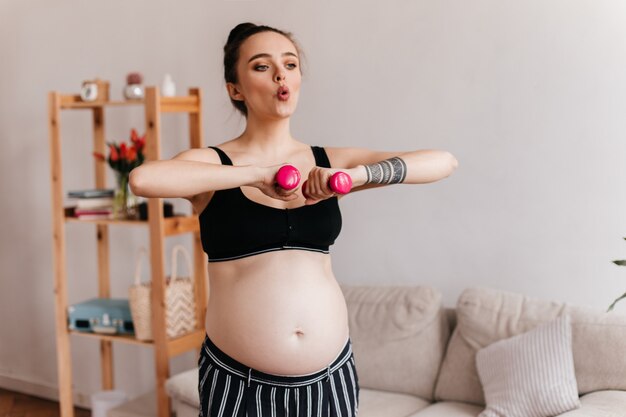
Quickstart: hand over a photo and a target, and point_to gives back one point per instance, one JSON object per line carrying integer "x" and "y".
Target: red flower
{"x": 138, "y": 141}
{"x": 124, "y": 157}
{"x": 113, "y": 153}
{"x": 132, "y": 154}
{"x": 123, "y": 151}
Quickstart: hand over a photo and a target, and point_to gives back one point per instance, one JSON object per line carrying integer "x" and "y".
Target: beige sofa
{"x": 416, "y": 358}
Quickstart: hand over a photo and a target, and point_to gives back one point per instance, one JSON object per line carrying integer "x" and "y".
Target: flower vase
{"x": 125, "y": 202}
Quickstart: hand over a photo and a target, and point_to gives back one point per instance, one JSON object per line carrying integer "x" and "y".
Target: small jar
{"x": 134, "y": 89}
{"x": 134, "y": 92}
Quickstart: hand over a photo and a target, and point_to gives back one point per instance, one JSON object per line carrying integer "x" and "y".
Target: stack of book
{"x": 93, "y": 204}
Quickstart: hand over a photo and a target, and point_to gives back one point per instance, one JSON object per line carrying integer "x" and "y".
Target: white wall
{"x": 530, "y": 96}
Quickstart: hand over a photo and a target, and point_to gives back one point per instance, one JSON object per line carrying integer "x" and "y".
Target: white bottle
{"x": 168, "y": 89}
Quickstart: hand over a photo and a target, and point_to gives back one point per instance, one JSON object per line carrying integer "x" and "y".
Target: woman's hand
{"x": 267, "y": 184}
{"x": 316, "y": 186}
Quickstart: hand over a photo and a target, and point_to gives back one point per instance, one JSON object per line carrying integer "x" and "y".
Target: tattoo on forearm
{"x": 389, "y": 171}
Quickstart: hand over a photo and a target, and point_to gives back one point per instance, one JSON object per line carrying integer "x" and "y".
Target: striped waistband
{"x": 226, "y": 362}
{"x": 258, "y": 252}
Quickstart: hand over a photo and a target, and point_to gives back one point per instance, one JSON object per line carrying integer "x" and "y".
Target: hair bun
{"x": 239, "y": 30}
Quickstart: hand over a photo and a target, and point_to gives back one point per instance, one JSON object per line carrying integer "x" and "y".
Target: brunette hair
{"x": 236, "y": 38}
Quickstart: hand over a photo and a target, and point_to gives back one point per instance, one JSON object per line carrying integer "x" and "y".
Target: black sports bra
{"x": 232, "y": 226}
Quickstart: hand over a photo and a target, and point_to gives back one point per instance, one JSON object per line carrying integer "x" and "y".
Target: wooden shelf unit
{"x": 159, "y": 227}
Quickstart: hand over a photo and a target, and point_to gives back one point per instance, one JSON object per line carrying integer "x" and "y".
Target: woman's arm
{"x": 187, "y": 174}
{"x": 371, "y": 169}
{"x": 196, "y": 171}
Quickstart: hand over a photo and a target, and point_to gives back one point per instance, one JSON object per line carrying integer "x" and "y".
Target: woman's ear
{"x": 234, "y": 92}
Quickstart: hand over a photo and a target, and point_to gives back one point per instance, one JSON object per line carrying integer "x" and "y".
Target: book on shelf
{"x": 94, "y": 203}
{"x": 78, "y": 212}
{"x": 88, "y": 214}
{"x": 95, "y": 216}
{"x": 92, "y": 193}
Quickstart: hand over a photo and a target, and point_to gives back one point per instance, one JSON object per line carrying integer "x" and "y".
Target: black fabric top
{"x": 232, "y": 226}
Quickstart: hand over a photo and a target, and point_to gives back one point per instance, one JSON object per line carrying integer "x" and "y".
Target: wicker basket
{"x": 180, "y": 303}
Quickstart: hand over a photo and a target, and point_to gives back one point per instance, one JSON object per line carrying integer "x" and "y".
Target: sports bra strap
{"x": 321, "y": 159}
{"x": 223, "y": 157}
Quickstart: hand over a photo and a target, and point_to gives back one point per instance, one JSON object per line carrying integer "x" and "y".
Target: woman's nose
{"x": 279, "y": 77}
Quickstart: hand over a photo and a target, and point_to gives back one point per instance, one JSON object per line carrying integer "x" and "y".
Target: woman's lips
{"x": 283, "y": 93}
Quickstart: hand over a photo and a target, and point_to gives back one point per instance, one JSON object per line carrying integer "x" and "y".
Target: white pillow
{"x": 531, "y": 374}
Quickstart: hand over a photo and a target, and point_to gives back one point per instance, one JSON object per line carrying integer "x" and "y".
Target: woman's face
{"x": 267, "y": 62}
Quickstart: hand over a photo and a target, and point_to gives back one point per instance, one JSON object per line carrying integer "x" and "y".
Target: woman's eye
{"x": 264, "y": 67}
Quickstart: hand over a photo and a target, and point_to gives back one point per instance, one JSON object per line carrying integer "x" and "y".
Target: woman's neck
{"x": 268, "y": 137}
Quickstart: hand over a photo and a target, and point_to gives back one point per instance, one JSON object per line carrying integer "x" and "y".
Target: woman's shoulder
{"x": 207, "y": 155}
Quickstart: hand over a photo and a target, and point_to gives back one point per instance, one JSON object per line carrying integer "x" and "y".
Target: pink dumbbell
{"x": 339, "y": 183}
{"x": 288, "y": 177}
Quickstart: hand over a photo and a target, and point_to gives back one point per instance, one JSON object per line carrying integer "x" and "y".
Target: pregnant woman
{"x": 277, "y": 340}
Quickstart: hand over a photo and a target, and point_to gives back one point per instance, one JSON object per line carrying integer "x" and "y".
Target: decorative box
{"x": 101, "y": 315}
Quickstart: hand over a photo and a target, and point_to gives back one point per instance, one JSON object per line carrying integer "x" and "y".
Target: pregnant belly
{"x": 281, "y": 313}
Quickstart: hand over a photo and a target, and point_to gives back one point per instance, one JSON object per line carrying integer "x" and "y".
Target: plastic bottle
{"x": 168, "y": 89}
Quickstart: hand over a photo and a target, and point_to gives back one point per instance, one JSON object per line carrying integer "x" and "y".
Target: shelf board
{"x": 182, "y": 104}
{"x": 181, "y": 224}
{"x": 192, "y": 340}
{"x": 177, "y": 346}
{"x": 174, "y": 225}
{"x": 75, "y": 102}
{"x": 185, "y": 104}
{"x": 127, "y": 338}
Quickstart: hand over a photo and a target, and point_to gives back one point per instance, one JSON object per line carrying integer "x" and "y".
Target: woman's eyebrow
{"x": 266, "y": 55}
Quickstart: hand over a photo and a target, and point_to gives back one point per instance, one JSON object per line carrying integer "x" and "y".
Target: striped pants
{"x": 229, "y": 388}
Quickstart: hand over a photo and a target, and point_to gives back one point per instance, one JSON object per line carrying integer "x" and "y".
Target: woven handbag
{"x": 180, "y": 303}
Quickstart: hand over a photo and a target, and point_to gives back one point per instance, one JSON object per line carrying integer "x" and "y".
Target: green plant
{"x": 621, "y": 262}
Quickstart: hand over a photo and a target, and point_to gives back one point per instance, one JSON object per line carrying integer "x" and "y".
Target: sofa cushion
{"x": 600, "y": 404}
{"x": 485, "y": 316}
{"x": 595, "y": 404}
{"x": 398, "y": 334}
{"x": 374, "y": 403}
{"x": 531, "y": 374}
{"x": 184, "y": 387}
{"x": 448, "y": 409}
